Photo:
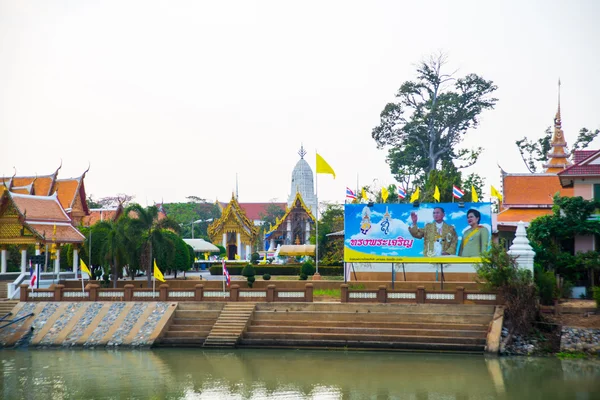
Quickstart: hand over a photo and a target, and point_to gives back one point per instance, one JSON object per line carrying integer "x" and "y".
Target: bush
{"x": 566, "y": 291}
{"x": 596, "y": 291}
{"x": 281, "y": 270}
{"x": 249, "y": 273}
{"x": 546, "y": 285}
{"x": 500, "y": 272}
{"x": 266, "y": 277}
{"x": 254, "y": 258}
{"x": 303, "y": 277}
{"x": 307, "y": 268}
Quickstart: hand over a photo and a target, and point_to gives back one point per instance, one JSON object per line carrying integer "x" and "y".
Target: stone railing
{"x": 418, "y": 296}
{"x": 164, "y": 293}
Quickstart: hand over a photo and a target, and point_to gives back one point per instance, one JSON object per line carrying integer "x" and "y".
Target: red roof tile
{"x": 101, "y": 214}
{"x": 532, "y": 189}
{"x": 580, "y": 155}
{"x": 254, "y": 210}
{"x": 40, "y": 208}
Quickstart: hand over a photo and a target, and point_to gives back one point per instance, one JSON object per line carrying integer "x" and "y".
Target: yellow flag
{"x": 496, "y": 193}
{"x": 157, "y": 274}
{"x": 364, "y": 194}
{"x": 323, "y": 167}
{"x": 474, "y": 197}
{"x": 384, "y": 194}
{"x": 415, "y": 196}
{"x": 84, "y": 267}
{"x": 436, "y": 194}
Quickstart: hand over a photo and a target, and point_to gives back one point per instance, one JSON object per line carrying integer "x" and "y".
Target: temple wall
{"x": 584, "y": 190}
{"x": 87, "y": 324}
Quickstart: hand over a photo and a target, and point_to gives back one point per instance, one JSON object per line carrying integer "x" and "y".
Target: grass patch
{"x": 571, "y": 355}
{"x": 327, "y": 293}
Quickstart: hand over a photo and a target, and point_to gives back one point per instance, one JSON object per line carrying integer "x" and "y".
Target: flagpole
{"x": 317, "y": 220}
{"x": 82, "y": 288}
{"x": 223, "y": 276}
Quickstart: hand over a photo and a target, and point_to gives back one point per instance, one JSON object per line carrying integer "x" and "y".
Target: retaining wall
{"x": 87, "y": 324}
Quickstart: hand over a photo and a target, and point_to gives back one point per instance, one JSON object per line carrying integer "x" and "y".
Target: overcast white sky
{"x": 167, "y": 99}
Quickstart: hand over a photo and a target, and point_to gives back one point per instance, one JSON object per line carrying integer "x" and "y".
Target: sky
{"x": 169, "y": 99}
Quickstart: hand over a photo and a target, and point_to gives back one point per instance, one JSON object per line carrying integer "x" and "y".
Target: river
{"x": 290, "y": 374}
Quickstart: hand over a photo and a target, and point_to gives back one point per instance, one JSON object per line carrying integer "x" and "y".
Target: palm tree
{"x": 149, "y": 229}
{"x": 114, "y": 245}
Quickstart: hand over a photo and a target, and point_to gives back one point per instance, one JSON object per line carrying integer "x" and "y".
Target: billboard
{"x": 431, "y": 232}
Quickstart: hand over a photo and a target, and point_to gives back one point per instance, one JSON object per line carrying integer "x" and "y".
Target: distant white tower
{"x": 302, "y": 181}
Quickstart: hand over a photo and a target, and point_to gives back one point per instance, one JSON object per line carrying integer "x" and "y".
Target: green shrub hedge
{"x": 289, "y": 270}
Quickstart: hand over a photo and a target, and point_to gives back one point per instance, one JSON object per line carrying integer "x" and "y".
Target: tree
{"x": 269, "y": 218}
{"x": 173, "y": 253}
{"x": 150, "y": 231}
{"x": 430, "y": 119}
{"x": 552, "y": 238}
{"x": 534, "y": 153}
{"x": 331, "y": 251}
{"x": 113, "y": 201}
{"x": 195, "y": 209}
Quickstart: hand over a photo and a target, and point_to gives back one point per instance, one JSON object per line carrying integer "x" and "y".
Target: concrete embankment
{"x": 86, "y": 324}
{"x": 432, "y": 327}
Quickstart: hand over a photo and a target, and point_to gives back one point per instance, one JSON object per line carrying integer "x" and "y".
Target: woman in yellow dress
{"x": 476, "y": 238}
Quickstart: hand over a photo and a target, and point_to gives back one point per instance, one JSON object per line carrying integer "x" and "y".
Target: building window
{"x": 596, "y": 191}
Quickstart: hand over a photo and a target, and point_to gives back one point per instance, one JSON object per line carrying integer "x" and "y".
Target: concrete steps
{"x": 191, "y": 324}
{"x": 6, "y": 306}
{"x": 230, "y": 326}
{"x": 394, "y": 327}
{"x": 3, "y": 289}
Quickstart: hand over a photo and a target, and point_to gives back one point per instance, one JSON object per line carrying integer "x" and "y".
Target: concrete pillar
{"x": 23, "y": 260}
{"x": 344, "y": 293}
{"x": 199, "y": 293}
{"x": 288, "y": 232}
{"x": 238, "y": 245}
{"x": 225, "y": 240}
{"x": 57, "y": 262}
{"x": 248, "y": 252}
{"x": 521, "y": 249}
{"x": 271, "y": 245}
{"x": 75, "y": 261}
{"x": 3, "y": 261}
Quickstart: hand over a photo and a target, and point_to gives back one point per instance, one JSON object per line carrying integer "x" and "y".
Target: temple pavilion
{"x": 42, "y": 211}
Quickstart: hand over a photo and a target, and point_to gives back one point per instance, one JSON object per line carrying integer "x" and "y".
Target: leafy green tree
{"x": 427, "y": 124}
{"x": 150, "y": 230}
{"x": 552, "y": 237}
{"x": 194, "y": 210}
{"x": 331, "y": 251}
{"x": 113, "y": 249}
{"x": 534, "y": 152}
{"x": 173, "y": 253}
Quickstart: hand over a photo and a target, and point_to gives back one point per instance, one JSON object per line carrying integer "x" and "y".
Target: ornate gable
{"x": 233, "y": 219}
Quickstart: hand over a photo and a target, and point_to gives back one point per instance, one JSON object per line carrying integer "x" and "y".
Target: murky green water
{"x": 289, "y": 374}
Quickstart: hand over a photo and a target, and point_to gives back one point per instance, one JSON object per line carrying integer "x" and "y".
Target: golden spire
{"x": 558, "y": 155}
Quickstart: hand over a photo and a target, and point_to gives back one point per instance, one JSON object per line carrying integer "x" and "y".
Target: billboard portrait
{"x": 431, "y": 232}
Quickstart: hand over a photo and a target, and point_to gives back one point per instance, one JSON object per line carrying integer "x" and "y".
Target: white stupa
{"x": 302, "y": 181}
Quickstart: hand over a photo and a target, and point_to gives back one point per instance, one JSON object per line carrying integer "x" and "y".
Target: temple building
{"x": 234, "y": 231}
{"x": 294, "y": 228}
{"x": 528, "y": 196}
{"x": 41, "y": 211}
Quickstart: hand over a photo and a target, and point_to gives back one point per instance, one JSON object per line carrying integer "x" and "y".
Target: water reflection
{"x": 289, "y": 374}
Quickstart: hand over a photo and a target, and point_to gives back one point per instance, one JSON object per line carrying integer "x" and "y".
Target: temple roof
{"x": 586, "y": 166}
{"x": 254, "y": 210}
{"x": 43, "y": 216}
{"x": 298, "y": 202}
{"x": 531, "y": 190}
{"x": 102, "y": 214}
{"x": 512, "y": 216}
{"x": 235, "y": 212}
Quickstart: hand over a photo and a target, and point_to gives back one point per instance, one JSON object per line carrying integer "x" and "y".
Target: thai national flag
{"x": 226, "y": 274}
{"x": 350, "y": 194}
{"x": 457, "y": 193}
{"x": 33, "y": 272}
{"x": 401, "y": 193}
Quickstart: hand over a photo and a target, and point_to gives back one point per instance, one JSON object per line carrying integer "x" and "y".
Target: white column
{"x": 23, "y": 261}
{"x": 57, "y": 262}
{"x": 3, "y": 261}
{"x": 307, "y": 234}
{"x": 271, "y": 245}
{"x": 288, "y": 230}
{"x": 239, "y": 245}
{"x": 75, "y": 261}
{"x": 225, "y": 242}
{"x": 247, "y": 252}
